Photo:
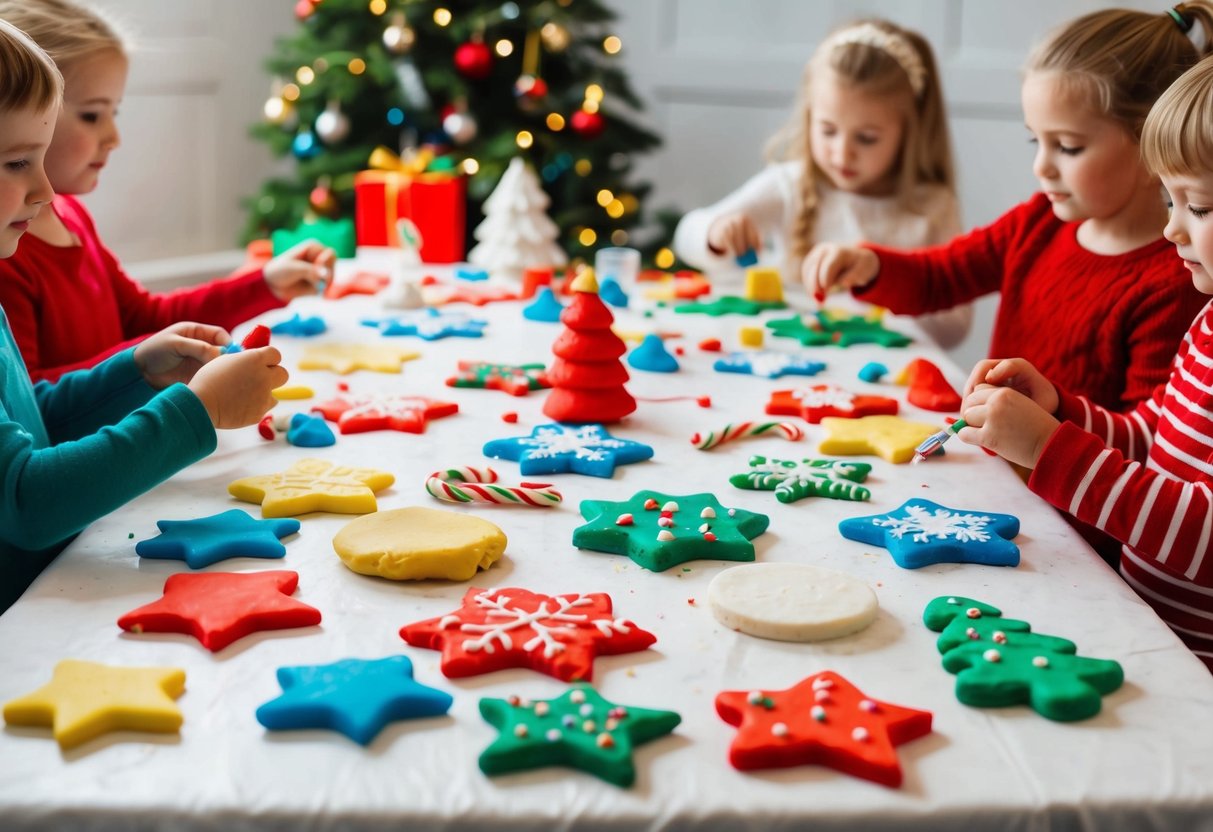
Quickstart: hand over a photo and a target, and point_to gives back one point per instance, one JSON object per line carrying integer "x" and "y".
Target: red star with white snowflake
{"x": 822, "y": 719}
{"x": 218, "y": 608}
{"x": 358, "y": 414}
{"x": 559, "y": 635}
{"x": 821, "y": 400}
{"x": 362, "y": 283}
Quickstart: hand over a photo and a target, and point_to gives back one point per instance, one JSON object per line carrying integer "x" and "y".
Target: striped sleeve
{"x": 1130, "y": 433}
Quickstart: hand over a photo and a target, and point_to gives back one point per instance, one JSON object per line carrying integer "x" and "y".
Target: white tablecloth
{"x": 1143, "y": 762}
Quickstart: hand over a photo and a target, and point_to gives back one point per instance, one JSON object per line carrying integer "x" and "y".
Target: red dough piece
{"x": 559, "y": 635}
{"x": 598, "y": 346}
{"x": 477, "y": 296}
{"x": 266, "y": 427}
{"x": 586, "y": 406}
{"x": 821, "y": 400}
{"x": 362, "y": 283}
{"x": 258, "y": 336}
{"x": 219, "y": 607}
{"x": 568, "y": 374}
{"x": 929, "y": 389}
{"x": 534, "y": 277}
{"x": 822, "y": 719}
{"x": 710, "y": 345}
{"x": 358, "y": 414}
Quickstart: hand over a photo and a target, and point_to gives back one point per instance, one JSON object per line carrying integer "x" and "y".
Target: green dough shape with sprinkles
{"x": 580, "y": 729}
{"x": 658, "y": 530}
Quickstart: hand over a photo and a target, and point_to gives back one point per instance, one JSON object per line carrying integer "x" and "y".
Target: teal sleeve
{"x": 50, "y": 494}
{"x": 82, "y": 402}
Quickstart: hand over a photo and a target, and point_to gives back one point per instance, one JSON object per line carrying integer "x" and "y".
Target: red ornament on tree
{"x": 586, "y": 124}
{"x": 304, "y": 9}
{"x": 474, "y": 60}
{"x": 587, "y": 376}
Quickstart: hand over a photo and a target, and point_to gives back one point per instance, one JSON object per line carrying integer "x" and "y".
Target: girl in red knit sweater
{"x": 68, "y": 300}
{"x": 1090, "y": 290}
{"x": 1145, "y": 477}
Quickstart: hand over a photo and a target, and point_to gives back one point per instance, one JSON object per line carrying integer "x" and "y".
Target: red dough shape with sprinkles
{"x": 358, "y": 414}
{"x": 821, "y": 400}
{"x": 559, "y": 635}
{"x": 822, "y": 719}
{"x": 218, "y": 608}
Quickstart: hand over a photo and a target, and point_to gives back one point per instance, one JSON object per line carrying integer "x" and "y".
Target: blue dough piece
{"x": 611, "y": 292}
{"x": 207, "y": 540}
{"x": 234, "y": 346}
{"x": 569, "y": 449}
{"x": 357, "y": 697}
{"x": 768, "y": 364}
{"x": 921, "y": 532}
{"x": 747, "y": 258}
{"x": 652, "y": 356}
{"x": 308, "y": 430}
{"x": 545, "y": 307}
{"x": 471, "y": 273}
{"x": 873, "y": 371}
{"x": 300, "y": 326}
{"x": 430, "y": 325}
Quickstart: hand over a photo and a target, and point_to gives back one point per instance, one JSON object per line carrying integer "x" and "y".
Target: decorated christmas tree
{"x": 454, "y": 88}
{"x": 516, "y": 232}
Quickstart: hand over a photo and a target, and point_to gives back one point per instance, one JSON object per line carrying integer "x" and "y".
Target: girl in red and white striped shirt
{"x": 1145, "y": 477}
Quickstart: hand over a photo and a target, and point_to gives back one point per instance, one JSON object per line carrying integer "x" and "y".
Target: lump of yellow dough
{"x": 295, "y": 391}
{"x": 417, "y": 543}
{"x": 313, "y": 485}
{"x": 890, "y": 437}
{"x": 84, "y": 700}
{"x": 345, "y": 358}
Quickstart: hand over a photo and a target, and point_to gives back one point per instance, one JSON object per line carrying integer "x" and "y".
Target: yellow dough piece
{"x": 890, "y": 437}
{"x": 345, "y": 358}
{"x": 84, "y": 700}
{"x": 313, "y": 485}
{"x": 297, "y": 391}
{"x": 416, "y": 543}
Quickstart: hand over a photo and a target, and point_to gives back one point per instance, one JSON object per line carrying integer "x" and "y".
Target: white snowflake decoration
{"x": 826, "y": 395}
{"x": 583, "y": 442}
{"x": 548, "y": 624}
{"x": 942, "y": 524}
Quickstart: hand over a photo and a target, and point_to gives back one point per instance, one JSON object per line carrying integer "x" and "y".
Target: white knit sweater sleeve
{"x": 949, "y": 326}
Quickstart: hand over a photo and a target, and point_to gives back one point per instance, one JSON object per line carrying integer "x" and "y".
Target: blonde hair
{"x": 1177, "y": 137}
{"x": 879, "y": 58}
{"x": 68, "y": 32}
{"x": 28, "y": 77}
{"x": 1125, "y": 59}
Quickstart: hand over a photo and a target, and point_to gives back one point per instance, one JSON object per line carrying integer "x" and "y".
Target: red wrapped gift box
{"x": 436, "y": 203}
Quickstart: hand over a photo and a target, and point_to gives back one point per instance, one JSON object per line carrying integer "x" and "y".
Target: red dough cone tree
{"x": 587, "y": 376}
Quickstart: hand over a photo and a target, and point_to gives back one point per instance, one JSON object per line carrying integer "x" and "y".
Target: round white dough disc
{"x": 791, "y": 601}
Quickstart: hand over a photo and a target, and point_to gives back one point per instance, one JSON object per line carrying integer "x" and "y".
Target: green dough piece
{"x": 835, "y": 330}
{"x": 962, "y": 620}
{"x": 793, "y": 480}
{"x": 729, "y": 305}
{"x": 580, "y": 729}
{"x": 629, "y": 528}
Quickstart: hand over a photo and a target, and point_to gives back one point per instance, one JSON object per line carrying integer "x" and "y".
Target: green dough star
{"x": 580, "y": 729}
{"x": 662, "y": 530}
{"x": 793, "y": 480}
{"x": 729, "y": 305}
{"x": 832, "y": 328}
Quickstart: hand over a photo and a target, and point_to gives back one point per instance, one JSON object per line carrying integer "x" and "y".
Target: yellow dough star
{"x": 84, "y": 700}
{"x": 345, "y": 358}
{"x": 890, "y": 437}
{"x": 313, "y": 485}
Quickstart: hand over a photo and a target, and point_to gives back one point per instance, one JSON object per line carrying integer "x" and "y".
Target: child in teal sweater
{"x": 73, "y": 451}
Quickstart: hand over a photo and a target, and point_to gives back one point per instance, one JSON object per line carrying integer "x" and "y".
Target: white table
{"x": 1139, "y": 764}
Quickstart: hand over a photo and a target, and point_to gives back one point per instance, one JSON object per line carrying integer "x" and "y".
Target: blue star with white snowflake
{"x": 207, "y": 540}
{"x": 768, "y": 364}
{"x": 357, "y": 697}
{"x": 430, "y": 325}
{"x": 569, "y": 449}
{"x": 921, "y": 532}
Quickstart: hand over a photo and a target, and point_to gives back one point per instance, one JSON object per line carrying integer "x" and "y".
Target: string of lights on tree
{"x": 458, "y": 87}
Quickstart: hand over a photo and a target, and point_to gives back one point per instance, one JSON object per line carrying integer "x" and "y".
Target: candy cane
{"x": 475, "y": 486}
{"x": 728, "y": 433}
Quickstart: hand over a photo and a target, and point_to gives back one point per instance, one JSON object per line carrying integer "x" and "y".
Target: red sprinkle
{"x": 679, "y": 351}
{"x": 691, "y": 601}
{"x": 710, "y": 345}
{"x": 343, "y": 386}
{"x": 429, "y": 280}
{"x": 509, "y": 417}
{"x": 819, "y": 296}
{"x": 704, "y": 401}
{"x": 650, "y": 504}
{"x": 624, "y": 520}
{"x": 709, "y": 537}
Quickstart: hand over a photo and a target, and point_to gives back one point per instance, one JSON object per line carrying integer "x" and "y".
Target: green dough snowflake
{"x": 793, "y": 480}
{"x": 659, "y": 530}
{"x": 835, "y": 329}
{"x": 729, "y": 305}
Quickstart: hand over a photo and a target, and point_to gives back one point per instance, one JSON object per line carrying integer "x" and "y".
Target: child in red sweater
{"x": 1145, "y": 477}
{"x": 68, "y": 300}
{"x": 1089, "y": 286}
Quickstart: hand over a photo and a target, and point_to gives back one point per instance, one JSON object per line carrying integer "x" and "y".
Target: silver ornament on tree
{"x": 332, "y": 126}
{"x": 399, "y": 36}
{"x": 460, "y": 125}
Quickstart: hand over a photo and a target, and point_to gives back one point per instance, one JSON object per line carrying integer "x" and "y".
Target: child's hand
{"x": 1017, "y": 374}
{"x": 829, "y": 267}
{"x": 733, "y": 234}
{"x": 236, "y": 390}
{"x": 1008, "y": 423}
{"x": 176, "y": 352}
{"x": 299, "y": 270}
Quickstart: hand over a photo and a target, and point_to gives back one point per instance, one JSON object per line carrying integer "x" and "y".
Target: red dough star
{"x": 478, "y": 296}
{"x": 821, "y": 400}
{"x": 357, "y": 414}
{"x": 559, "y": 635}
{"x": 362, "y": 283}
{"x": 822, "y": 719}
{"x": 219, "y": 607}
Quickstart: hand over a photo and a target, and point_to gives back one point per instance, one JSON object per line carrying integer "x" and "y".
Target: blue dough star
{"x": 768, "y": 364}
{"x": 357, "y": 697}
{"x": 564, "y": 449}
{"x": 430, "y": 325}
{"x": 300, "y": 326}
{"x": 207, "y": 540}
{"x": 922, "y": 532}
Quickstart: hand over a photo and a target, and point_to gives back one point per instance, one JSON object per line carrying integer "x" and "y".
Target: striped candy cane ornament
{"x": 728, "y": 433}
{"x": 477, "y": 485}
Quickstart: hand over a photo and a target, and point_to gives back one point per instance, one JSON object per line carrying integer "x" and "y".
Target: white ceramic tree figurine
{"x": 517, "y": 232}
